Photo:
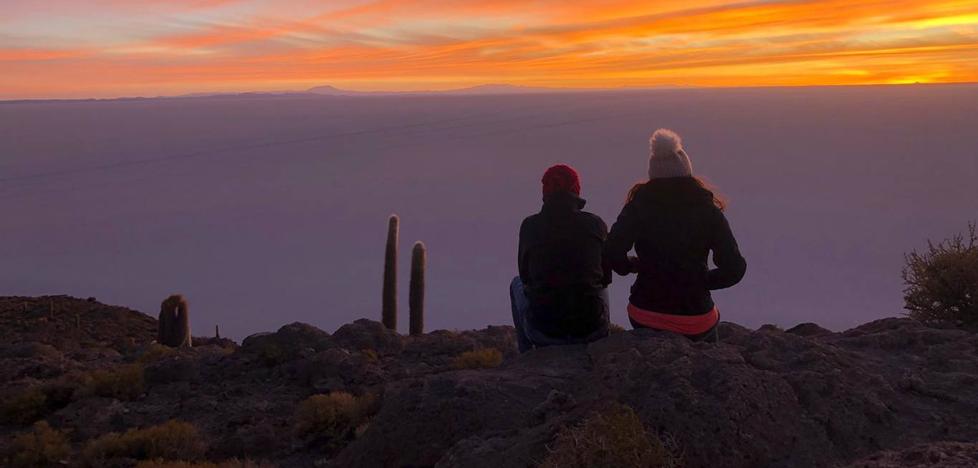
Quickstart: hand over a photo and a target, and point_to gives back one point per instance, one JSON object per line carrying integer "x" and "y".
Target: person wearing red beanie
{"x": 561, "y": 178}
{"x": 560, "y": 295}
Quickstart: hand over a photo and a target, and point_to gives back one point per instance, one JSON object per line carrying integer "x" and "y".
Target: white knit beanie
{"x": 667, "y": 158}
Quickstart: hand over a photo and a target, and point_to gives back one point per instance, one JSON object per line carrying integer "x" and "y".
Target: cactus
{"x": 217, "y": 331}
{"x": 174, "y": 322}
{"x": 389, "y": 300}
{"x": 419, "y": 256}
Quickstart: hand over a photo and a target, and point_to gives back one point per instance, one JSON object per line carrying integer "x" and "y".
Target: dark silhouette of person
{"x": 560, "y": 295}
{"x": 674, "y": 221}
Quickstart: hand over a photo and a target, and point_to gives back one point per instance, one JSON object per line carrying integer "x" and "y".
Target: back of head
{"x": 667, "y": 158}
{"x": 561, "y": 178}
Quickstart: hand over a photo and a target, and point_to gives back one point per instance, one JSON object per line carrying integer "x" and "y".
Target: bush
{"x": 125, "y": 382}
{"x": 25, "y": 407}
{"x": 335, "y": 417}
{"x": 478, "y": 359}
{"x": 942, "y": 282}
{"x": 42, "y": 446}
{"x": 36, "y": 402}
{"x": 155, "y": 352}
{"x": 614, "y": 437}
{"x": 172, "y": 440}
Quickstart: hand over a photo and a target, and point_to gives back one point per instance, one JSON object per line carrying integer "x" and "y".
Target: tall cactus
{"x": 174, "y": 322}
{"x": 419, "y": 256}
{"x": 389, "y": 300}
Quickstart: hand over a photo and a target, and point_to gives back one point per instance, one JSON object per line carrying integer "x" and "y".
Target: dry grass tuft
{"x": 484, "y": 358}
{"x": 42, "y": 446}
{"x": 25, "y": 407}
{"x": 155, "y": 352}
{"x": 172, "y": 440}
{"x": 34, "y": 403}
{"x": 613, "y": 437}
{"x": 334, "y": 417}
{"x": 124, "y": 382}
{"x": 370, "y": 355}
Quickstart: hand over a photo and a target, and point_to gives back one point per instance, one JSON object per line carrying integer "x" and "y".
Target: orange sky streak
{"x": 155, "y": 47}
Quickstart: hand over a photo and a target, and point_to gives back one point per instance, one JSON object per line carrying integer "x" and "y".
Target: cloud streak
{"x": 237, "y": 45}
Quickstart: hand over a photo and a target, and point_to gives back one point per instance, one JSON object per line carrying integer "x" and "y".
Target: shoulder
{"x": 530, "y": 222}
{"x": 593, "y": 219}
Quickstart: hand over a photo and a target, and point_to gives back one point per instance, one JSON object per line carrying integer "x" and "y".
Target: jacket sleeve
{"x": 620, "y": 241}
{"x": 730, "y": 264}
{"x": 522, "y": 256}
{"x": 605, "y": 264}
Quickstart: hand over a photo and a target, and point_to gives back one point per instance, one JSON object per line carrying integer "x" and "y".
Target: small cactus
{"x": 389, "y": 300}
{"x": 217, "y": 331}
{"x": 174, "y": 322}
{"x": 419, "y": 257}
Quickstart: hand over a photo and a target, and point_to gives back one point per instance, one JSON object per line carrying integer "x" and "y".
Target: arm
{"x": 620, "y": 241}
{"x": 522, "y": 256}
{"x": 730, "y": 264}
{"x": 605, "y": 264}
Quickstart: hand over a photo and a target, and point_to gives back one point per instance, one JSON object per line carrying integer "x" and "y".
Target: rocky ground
{"x": 891, "y": 393}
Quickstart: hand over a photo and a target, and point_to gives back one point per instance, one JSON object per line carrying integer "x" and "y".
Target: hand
{"x": 633, "y": 263}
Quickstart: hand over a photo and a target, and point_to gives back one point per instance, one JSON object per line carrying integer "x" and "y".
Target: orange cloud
{"x": 424, "y": 44}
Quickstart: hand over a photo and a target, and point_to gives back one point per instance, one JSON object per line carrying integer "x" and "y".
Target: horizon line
{"x": 472, "y": 91}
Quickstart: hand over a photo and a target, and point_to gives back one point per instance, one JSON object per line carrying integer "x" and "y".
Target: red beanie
{"x": 561, "y": 178}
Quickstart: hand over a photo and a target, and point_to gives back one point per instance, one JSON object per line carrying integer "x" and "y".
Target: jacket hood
{"x": 563, "y": 201}
{"x": 674, "y": 190}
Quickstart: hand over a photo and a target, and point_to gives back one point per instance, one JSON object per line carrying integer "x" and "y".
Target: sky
{"x": 112, "y": 48}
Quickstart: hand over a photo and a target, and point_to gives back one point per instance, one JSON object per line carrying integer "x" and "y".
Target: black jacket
{"x": 561, "y": 266}
{"x": 674, "y": 225}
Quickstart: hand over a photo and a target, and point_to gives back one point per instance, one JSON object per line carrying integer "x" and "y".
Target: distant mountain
{"x": 485, "y": 89}
{"x": 334, "y": 91}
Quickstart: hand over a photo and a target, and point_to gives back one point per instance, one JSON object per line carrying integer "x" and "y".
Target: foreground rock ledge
{"x": 889, "y": 393}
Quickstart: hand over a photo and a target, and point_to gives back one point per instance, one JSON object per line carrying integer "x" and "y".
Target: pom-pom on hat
{"x": 561, "y": 178}
{"x": 667, "y": 158}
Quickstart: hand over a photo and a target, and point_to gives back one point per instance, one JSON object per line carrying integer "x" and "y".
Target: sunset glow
{"x": 108, "y": 48}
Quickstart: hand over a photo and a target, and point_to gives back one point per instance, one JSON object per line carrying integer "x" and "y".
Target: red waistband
{"x": 683, "y": 324}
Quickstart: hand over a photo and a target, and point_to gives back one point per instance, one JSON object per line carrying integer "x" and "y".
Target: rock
{"x": 182, "y": 367}
{"x": 808, "y": 329}
{"x": 891, "y": 393}
{"x": 337, "y": 369}
{"x": 935, "y": 455}
{"x": 290, "y": 342}
{"x": 368, "y": 334}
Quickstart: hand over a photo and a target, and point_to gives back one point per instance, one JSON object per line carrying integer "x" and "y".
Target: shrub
{"x": 25, "y": 407}
{"x": 613, "y": 437}
{"x": 334, "y": 418}
{"x": 42, "y": 446}
{"x": 155, "y": 352}
{"x": 478, "y": 359}
{"x": 942, "y": 282}
{"x": 37, "y": 402}
{"x": 172, "y": 440}
{"x": 125, "y": 382}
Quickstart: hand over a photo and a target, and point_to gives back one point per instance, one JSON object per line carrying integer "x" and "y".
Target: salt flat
{"x": 264, "y": 210}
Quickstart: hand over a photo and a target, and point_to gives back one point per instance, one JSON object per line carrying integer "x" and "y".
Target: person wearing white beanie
{"x": 674, "y": 222}
{"x": 667, "y": 158}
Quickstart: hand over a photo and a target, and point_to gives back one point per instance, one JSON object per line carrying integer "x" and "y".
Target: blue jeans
{"x": 527, "y": 337}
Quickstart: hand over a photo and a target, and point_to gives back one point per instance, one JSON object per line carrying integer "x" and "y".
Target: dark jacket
{"x": 674, "y": 225}
{"x": 561, "y": 266}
